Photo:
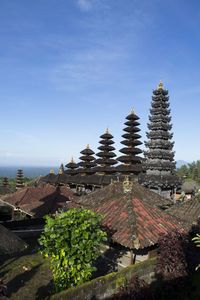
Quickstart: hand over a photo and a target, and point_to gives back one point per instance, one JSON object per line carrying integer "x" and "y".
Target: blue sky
{"x": 71, "y": 68}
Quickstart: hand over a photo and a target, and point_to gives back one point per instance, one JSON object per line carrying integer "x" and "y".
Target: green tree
{"x": 189, "y": 169}
{"x": 72, "y": 241}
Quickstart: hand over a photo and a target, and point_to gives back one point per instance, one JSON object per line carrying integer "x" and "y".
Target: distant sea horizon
{"x": 28, "y": 171}
{"x": 35, "y": 171}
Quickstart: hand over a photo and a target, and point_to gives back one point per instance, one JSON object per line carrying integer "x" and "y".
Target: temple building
{"x": 5, "y": 182}
{"x": 87, "y": 161}
{"x": 91, "y": 174}
{"x": 196, "y": 174}
{"x": 106, "y": 155}
{"x": 71, "y": 168}
{"x": 131, "y": 163}
{"x": 159, "y": 158}
{"x": 20, "y": 179}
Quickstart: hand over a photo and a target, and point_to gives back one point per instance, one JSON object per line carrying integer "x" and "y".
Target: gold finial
{"x": 72, "y": 160}
{"x": 88, "y": 146}
{"x": 51, "y": 171}
{"x": 132, "y": 111}
{"x": 160, "y": 86}
{"x": 61, "y": 170}
{"x": 107, "y": 131}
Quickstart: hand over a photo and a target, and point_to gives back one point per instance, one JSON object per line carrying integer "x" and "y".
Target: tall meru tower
{"x": 159, "y": 164}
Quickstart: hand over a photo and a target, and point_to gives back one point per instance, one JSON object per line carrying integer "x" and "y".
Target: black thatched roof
{"x": 188, "y": 187}
{"x": 116, "y": 190}
{"x": 4, "y": 190}
{"x": 188, "y": 211}
{"x": 131, "y": 162}
{"x": 10, "y": 243}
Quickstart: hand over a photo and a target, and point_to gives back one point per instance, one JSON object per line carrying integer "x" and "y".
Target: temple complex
{"x": 155, "y": 171}
{"x": 159, "y": 158}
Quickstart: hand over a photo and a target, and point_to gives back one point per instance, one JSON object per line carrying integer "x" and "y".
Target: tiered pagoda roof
{"x": 196, "y": 174}
{"x": 159, "y": 159}
{"x": 72, "y": 166}
{"x": 106, "y": 154}
{"x": 131, "y": 162}
{"x": 87, "y": 161}
{"x": 5, "y": 182}
{"x": 20, "y": 179}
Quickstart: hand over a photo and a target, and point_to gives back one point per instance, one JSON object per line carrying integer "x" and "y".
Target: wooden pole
{"x": 131, "y": 257}
{"x": 13, "y": 214}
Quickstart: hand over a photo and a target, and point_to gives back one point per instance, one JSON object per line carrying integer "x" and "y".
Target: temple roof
{"x": 188, "y": 211}
{"x": 188, "y": 187}
{"x": 10, "y": 243}
{"x": 4, "y": 190}
{"x": 148, "y": 223}
{"x": 87, "y": 161}
{"x": 40, "y": 201}
{"x": 166, "y": 181}
{"x": 116, "y": 190}
{"x": 136, "y": 168}
{"x": 130, "y": 159}
{"x": 106, "y": 136}
{"x": 106, "y": 155}
{"x": 140, "y": 210}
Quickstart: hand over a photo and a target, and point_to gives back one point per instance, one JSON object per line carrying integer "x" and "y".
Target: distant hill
{"x": 180, "y": 163}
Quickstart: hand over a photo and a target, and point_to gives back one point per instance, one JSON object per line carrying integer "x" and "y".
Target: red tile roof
{"x": 139, "y": 226}
{"x": 135, "y": 218}
{"x": 40, "y": 201}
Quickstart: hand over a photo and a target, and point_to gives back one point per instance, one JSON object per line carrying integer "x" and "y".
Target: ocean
{"x": 30, "y": 172}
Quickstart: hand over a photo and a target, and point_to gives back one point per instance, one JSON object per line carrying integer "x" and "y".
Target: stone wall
{"x": 106, "y": 286}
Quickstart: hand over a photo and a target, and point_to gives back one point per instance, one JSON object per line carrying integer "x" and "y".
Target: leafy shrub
{"x": 72, "y": 241}
{"x": 176, "y": 261}
{"x": 171, "y": 257}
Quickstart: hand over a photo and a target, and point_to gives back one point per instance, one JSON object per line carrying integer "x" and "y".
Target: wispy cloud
{"x": 88, "y": 68}
{"x": 8, "y": 154}
{"x": 84, "y": 5}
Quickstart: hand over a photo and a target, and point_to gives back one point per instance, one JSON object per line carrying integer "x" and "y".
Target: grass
{"x": 28, "y": 276}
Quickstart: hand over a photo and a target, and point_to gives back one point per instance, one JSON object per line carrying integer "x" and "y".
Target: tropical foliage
{"x": 72, "y": 241}
{"x": 189, "y": 170}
